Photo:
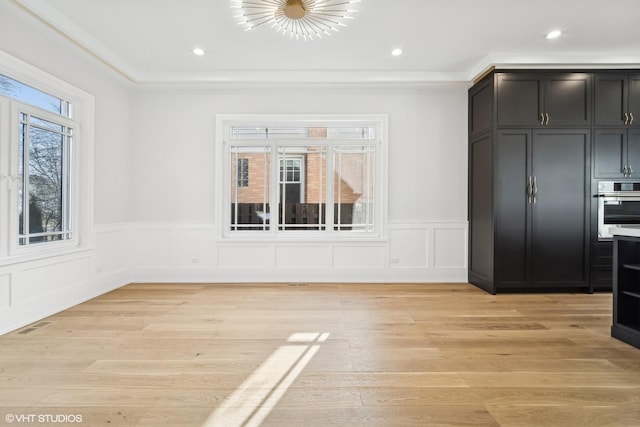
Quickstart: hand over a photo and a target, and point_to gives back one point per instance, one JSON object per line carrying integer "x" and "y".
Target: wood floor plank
{"x": 562, "y": 415}
{"x": 400, "y": 416}
{"x": 325, "y": 354}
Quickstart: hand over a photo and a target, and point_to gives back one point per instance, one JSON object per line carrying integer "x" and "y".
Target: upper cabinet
{"x": 617, "y": 99}
{"x": 544, "y": 99}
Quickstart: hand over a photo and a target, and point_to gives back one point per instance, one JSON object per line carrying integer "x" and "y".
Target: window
{"x": 44, "y": 172}
{"x": 309, "y": 177}
{"x": 19, "y": 91}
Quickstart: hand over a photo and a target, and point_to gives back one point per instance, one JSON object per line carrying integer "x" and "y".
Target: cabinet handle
{"x": 626, "y": 118}
{"x": 624, "y": 171}
{"x": 542, "y": 118}
{"x": 535, "y": 189}
{"x": 631, "y": 118}
{"x": 529, "y": 190}
{"x": 547, "y": 115}
{"x": 629, "y": 170}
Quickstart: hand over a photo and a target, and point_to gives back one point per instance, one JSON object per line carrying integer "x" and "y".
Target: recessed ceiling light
{"x": 396, "y": 52}
{"x": 554, "y": 34}
{"x": 198, "y": 51}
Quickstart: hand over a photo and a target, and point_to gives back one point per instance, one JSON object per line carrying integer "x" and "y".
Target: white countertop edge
{"x": 630, "y": 231}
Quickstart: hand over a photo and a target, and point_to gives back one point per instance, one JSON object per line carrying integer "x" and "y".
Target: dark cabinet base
{"x": 628, "y": 335}
{"x": 626, "y": 290}
{"x": 601, "y": 265}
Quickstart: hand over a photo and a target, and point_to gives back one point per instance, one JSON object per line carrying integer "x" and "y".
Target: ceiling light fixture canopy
{"x": 304, "y": 19}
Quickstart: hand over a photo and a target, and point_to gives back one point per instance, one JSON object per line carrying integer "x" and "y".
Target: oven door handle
{"x": 624, "y": 195}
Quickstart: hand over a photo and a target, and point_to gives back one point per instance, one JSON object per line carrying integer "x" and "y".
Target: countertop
{"x": 627, "y": 230}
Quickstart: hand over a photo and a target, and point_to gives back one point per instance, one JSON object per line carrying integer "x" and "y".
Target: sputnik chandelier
{"x": 304, "y": 19}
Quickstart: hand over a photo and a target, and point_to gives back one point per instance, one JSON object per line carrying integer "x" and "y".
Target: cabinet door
{"x": 559, "y": 226}
{"x": 567, "y": 99}
{"x": 634, "y": 98}
{"x": 610, "y": 101}
{"x": 518, "y": 100}
{"x": 512, "y": 209}
{"x": 609, "y": 153}
{"x": 633, "y": 152}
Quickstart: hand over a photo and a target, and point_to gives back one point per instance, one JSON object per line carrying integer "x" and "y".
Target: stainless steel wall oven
{"x": 618, "y": 205}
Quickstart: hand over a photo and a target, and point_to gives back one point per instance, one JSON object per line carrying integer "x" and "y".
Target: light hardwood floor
{"x": 323, "y": 355}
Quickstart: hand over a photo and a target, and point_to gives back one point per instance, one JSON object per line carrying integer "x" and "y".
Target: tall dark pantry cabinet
{"x": 529, "y": 181}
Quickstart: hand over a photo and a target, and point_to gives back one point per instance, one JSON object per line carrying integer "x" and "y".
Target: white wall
{"x": 174, "y": 231}
{"x": 174, "y": 136}
{"x": 154, "y": 185}
{"x": 31, "y": 289}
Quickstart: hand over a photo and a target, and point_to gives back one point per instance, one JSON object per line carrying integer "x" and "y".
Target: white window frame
{"x": 82, "y": 163}
{"x": 224, "y": 124}
{"x": 69, "y": 210}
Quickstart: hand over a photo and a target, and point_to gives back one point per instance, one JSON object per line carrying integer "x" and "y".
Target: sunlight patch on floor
{"x": 252, "y": 402}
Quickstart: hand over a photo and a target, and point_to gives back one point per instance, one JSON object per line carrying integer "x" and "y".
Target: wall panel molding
{"x": 33, "y": 290}
{"x": 427, "y": 251}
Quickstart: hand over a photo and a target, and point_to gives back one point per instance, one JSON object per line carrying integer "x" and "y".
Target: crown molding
{"x": 592, "y": 61}
{"x": 61, "y": 24}
{"x": 50, "y": 16}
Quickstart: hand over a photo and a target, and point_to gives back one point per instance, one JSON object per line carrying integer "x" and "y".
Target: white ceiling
{"x": 443, "y": 40}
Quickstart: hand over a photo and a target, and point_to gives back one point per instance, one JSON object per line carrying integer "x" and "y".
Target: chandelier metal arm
{"x": 299, "y": 18}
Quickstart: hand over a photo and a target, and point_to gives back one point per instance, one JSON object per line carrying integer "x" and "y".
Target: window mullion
{"x": 282, "y": 185}
{"x": 321, "y": 190}
{"x": 234, "y": 184}
{"x": 369, "y": 178}
{"x": 26, "y": 147}
{"x": 66, "y": 184}
{"x": 329, "y": 190}
{"x": 273, "y": 187}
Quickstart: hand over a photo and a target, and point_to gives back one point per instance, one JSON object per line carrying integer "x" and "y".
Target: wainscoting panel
{"x": 113, "y": 249}
{"x": 31, "y": 290}
{"x": 5, "y": 291}
{"x": 43, "y": 279}
{"x": 154, "y": 246}
{"x": 303, "y": 256}
{"x": 447, "y": 245}
{"x": 408, "y": 247}
{"x": 246, "y": 256}
{"x": 196, "y": 247}
{"x": 413, "y": 252}
{"x": 359, "y": 256}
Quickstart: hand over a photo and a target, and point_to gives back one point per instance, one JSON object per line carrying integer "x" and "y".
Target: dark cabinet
{"x": 541, "y": 209}
{"x": 626, "y": 289}
{"x": 617, "y": 99}
{"x": 616, "y": 153}
{"x": 544, "y": 99}
{"x": 601, "y": 261}
{"x": 529, "y": 181}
